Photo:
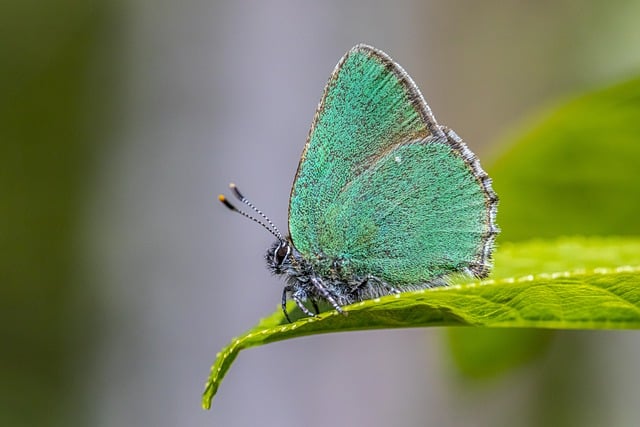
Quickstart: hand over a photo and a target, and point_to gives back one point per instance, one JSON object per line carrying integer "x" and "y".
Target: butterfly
{"x": 385, "y": 200}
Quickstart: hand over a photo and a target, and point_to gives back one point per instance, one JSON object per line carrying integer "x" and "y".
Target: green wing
{"x": 382, "y": 188}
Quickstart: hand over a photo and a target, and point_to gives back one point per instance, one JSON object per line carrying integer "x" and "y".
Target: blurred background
{"x": 121, "y": 274}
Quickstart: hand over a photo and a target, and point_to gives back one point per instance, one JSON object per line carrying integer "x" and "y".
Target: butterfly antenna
{"x": 229, "y": 205}
{"x": 244, "y": 200}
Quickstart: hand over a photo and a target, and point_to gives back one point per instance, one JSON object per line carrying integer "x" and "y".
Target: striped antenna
{"x": 271, "y": 228}
{"x": 244, "y": 200}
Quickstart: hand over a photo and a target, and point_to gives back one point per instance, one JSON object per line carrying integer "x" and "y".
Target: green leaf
{"x": 572, "y": 170}
{"x": 574, "y": 283}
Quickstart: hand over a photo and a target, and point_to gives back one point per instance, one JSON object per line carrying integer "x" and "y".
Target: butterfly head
{"x": 281, "y": 253}
{"x": 279, "y": 257}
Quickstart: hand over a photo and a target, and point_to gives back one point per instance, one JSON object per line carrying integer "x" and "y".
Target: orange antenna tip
{"x": 226, "y": 202}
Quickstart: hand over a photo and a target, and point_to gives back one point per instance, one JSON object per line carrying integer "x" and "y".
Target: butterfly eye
{"x": 281, "y": 253}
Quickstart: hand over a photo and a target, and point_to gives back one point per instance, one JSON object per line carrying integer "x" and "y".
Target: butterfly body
{"x": 325, "y": 280}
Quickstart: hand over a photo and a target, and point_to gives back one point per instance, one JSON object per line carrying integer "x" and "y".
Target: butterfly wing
{"x": 382, "y": 188}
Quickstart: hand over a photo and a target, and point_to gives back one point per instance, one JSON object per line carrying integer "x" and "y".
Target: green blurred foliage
{"x": 53, "y": 99}
{"x": 573, "y": 171}
{"x": 474, "y": 353}
{"x": 577, "y": 172}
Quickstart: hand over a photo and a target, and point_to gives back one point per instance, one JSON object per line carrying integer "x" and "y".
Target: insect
{"x": 384, "y": 200}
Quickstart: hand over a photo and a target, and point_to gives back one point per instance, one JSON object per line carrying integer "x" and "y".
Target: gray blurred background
{"x": 124, "y": 276}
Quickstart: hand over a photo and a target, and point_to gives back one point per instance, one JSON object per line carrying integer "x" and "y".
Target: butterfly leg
{"x": 382, "y": 284}
{"x": 284, "y": 302}
{"x": 390, "y": 288}
{"x": 327, "y": 295}
{"x": 315, "y": 306}
{"x": 301, "y": 306}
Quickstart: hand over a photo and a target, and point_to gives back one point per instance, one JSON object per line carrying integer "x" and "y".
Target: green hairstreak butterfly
{"x": 385, "y": 199}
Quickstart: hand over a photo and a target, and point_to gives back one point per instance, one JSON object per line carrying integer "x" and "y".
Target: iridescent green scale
{"x": 382, "y": 190}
